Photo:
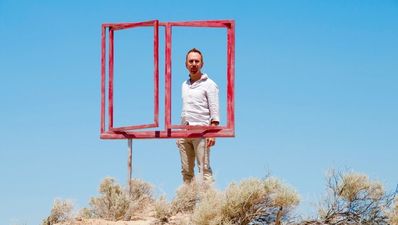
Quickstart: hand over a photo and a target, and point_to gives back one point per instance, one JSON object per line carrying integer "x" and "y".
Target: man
{"x": 199, "y": 107}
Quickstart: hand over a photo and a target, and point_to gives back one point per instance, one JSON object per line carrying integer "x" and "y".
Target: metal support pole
{"x": 129, "y": 162}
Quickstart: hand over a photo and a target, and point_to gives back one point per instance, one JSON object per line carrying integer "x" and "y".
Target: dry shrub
{"x": 267, "y": 200}
{"x": 241, "y": 199}
{"x": 282, "y": 197}
{"x": 187, "y": 196}
{"x": 208, "y": 211}
{"x": 393, "y": 214}
{"x": 113, "y": 202}
{"x": 117, "y": 203}
{"x": 354, "y": 199}
{"x": 60, "y": 212}
{"x": 85, "y": 213}
{"x": 140, "y": 190}
{"x": 140, "y": 198}
{"x": 310, "y": 222}
{"x": 354, "y": 186}
{"x": 162, "y": 210}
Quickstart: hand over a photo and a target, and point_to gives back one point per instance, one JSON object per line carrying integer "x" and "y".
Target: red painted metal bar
{"x": 120, "y": 26}
{"x": 205, "y": 23}
{"x": 134, "y": 127}
{"x": 168, "y": 79}
{"x": 199, "y": 23}
{"x": 167, "y": 134}
{"x": 111, "y": 78}
{"x": 187, "y": 127}
{"x": 229, "y": 24}
{"x": 231, "y": 77}
{"x": 110, "y": 84}
{"x": 156, "y": 71}
{"x": 103, "y": 49}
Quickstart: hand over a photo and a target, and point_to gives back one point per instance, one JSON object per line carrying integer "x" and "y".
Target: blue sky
{"x": 316, "y": 88}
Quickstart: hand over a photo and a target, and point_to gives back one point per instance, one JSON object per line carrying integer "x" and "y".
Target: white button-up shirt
{"x": 200, "y": 105}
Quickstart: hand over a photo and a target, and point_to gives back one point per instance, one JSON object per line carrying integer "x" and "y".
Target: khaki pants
{"x": 191, "y": 148}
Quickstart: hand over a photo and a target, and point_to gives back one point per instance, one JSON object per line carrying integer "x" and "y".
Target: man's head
{"x": 194, "y": 61}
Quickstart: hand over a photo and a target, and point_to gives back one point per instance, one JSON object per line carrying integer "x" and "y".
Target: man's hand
{"x": 210, "y": 142}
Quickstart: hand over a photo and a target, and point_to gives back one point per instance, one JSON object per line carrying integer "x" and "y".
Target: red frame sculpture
{"x": 170, "y": 130}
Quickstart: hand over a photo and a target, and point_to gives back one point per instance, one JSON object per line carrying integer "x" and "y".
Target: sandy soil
{"x": 180, "y": 219}
{"x": 144, "y": 221}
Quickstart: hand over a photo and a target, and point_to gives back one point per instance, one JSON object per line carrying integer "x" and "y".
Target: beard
{"x": 194, "y": 70}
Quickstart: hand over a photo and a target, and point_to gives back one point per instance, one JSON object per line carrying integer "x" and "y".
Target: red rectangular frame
{"x": 170, "y": 131}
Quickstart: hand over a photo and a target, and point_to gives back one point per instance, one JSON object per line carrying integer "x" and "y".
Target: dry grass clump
{"x": 187, "y": 196}
{"x": 85, "y": 213}
{"x": 113, "y": 202}
{"x": 179, "y": 211}
{"x": 140, "y": 198}
{"x": 60, "y": 212}
{"x": 208, "y": 211}
{"x": 283, "y": 199}
{"x": 116, "y": 203}
{"x": 355, "y": 186}
{"x": 162, "y": 210}
{"x": 267, "y": 200}
{"x": 354, "y": 199}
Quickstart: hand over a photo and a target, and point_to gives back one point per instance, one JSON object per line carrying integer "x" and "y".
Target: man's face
{"x": 194, "y": 62}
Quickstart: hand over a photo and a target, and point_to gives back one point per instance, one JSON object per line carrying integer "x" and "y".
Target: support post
{"x": 129, "y": 162}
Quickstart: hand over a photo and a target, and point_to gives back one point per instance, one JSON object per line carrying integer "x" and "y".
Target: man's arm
{"x": 212, "y": 98}
{"x": 213, "y": 103}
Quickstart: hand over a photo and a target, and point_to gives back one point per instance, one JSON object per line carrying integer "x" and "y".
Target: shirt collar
{"x": 202, "y": 78}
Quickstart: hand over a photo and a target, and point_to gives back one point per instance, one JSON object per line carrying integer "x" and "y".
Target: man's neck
{"x": 195, "y": 77}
